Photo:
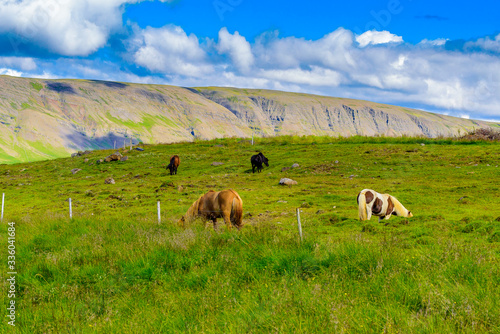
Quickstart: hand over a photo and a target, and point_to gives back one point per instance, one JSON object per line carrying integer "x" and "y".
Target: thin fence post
{"x": 3, "y": 199}
{"x": 298, "y": 224}
{"x": 131, "y": 144}
{"x": 70, "y": 210}
{"x": 159, "y": 213}
{"x": 114, "y": 145}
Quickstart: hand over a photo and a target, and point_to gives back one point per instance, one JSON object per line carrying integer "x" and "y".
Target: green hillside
{"x": 114, "y": 268}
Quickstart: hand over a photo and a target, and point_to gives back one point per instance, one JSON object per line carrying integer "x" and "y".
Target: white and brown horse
{"x": 371, "y": 203}
{"x": 226, "y": 204}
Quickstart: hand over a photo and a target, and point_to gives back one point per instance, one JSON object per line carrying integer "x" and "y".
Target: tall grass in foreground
{"x": 135, "y": 276}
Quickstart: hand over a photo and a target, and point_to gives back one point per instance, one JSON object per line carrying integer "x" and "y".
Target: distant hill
{"x": 42, "y": 119}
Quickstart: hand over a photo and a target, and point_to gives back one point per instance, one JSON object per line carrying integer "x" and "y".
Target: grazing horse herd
{"x": 227, "y": 204}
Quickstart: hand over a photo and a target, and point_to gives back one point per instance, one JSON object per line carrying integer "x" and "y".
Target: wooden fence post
{"x": 70, "y": 210}
{"x": 3, "y": 199}
{"x": 298, "y": 224}
{"x": 159, "y": 213}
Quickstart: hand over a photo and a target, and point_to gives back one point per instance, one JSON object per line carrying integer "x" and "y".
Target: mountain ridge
{"x": 44, "y": 119}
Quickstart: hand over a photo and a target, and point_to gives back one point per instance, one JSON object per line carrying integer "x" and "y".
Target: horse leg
{"x": 226, "y": 215}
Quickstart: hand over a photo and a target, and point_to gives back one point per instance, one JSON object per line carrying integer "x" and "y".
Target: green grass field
{"x": 114, "y": 269}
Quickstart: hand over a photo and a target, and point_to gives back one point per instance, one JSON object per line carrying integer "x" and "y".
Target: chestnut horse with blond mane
{"x": 381, "y": 205}
{"x": 226, "y": 204}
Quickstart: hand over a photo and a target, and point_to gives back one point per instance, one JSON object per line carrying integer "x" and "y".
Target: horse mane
{"x": 398, "y": 207}
{"x": 192, "y": 212}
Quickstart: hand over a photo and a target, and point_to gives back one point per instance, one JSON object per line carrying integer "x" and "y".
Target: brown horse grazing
{"x": 226, "y": 204}
{"x": 175, "y": 161}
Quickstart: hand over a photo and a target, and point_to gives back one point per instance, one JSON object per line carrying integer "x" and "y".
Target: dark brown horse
{"x": 175, "y": 161}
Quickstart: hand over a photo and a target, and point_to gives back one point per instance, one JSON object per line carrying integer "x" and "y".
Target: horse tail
{"x": 237, "y": 210}
{"x": 362, "y": 206}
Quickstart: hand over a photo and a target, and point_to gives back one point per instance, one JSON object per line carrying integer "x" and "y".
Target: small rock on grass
{"x": 75, "y": 170}
{"x": 109, "y": 180}
{"x": 215, "y": 163}
{"x": 287, "y": 182}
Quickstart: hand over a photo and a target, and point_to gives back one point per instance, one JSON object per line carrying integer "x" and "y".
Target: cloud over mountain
{"x": 80, "y": 38}
{"x": 169, "y": 50}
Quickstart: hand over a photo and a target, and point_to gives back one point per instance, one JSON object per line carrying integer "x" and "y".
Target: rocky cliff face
{"x": 274, "y": 113}
{"x": 42, "y": 119}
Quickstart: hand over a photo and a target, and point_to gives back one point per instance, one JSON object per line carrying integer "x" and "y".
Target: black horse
{"x": 257, "y": 161}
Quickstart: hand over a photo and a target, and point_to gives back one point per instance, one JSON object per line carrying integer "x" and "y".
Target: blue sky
{"x": 441, "y": 56}
{"x": 415, "y": 19}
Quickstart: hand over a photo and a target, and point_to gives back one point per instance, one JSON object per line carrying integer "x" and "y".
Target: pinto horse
{"x": 257, "y": 161}
{"x": 226, "y": 204}
{"x": 175, "y": 161}
{"x": 371, "y": 203}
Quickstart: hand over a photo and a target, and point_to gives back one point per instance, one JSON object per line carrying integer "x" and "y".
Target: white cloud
{"x": 433, "y": 42}
{"x": 331, "y": 51}
{"x": 23, "y": 63}
{"x": 316, "y": 76}
{"x": 373, "y": 37}
{"x": 169, "y": 50}
{"x": 66, "y": 27}
{"x": 237, "y": 47}
{"x": 485, "y": 44}
{"x": 44, "y": 75}
{"x": 10, "y": 72}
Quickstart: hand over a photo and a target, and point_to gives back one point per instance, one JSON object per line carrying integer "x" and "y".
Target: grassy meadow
{"x": 114, "y": 269}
